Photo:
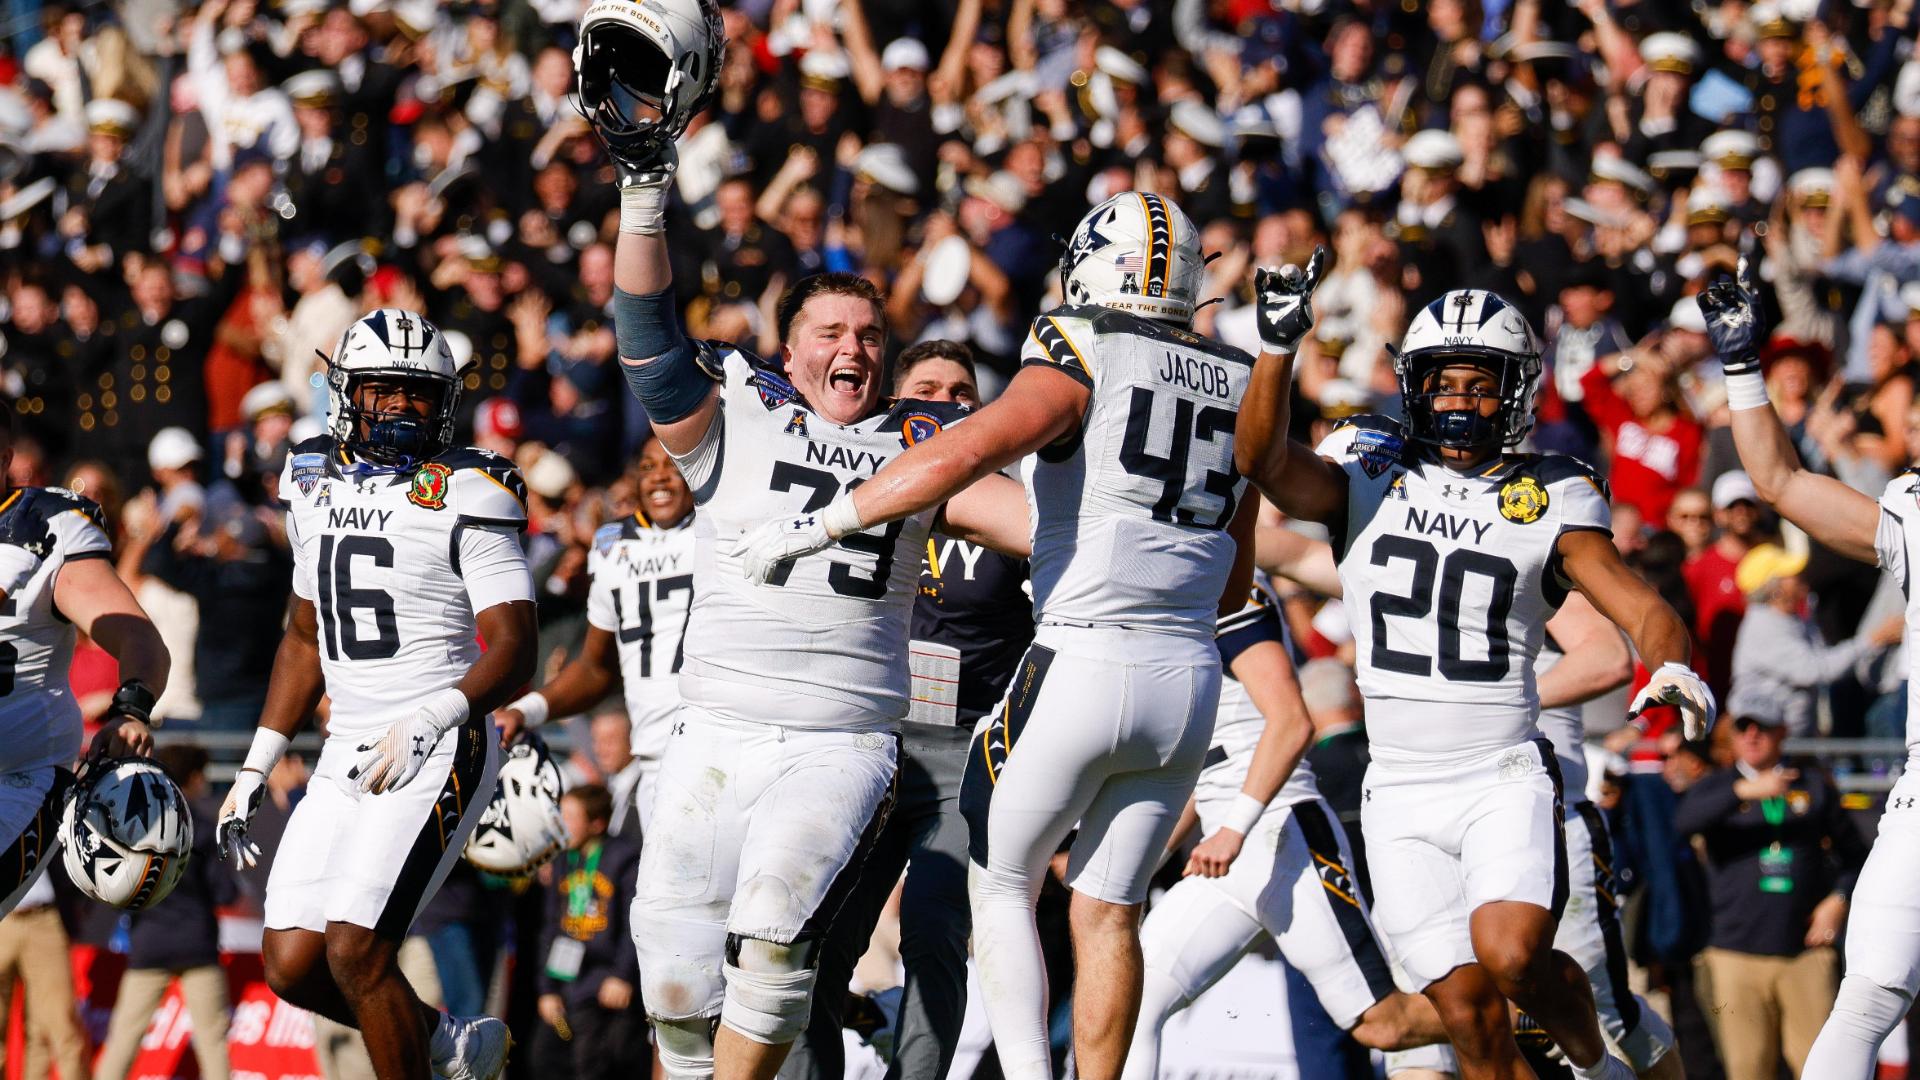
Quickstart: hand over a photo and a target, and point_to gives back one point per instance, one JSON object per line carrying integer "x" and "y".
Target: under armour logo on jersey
{"x": 1455, "y": 491}
{"x": 1901, "y": 802}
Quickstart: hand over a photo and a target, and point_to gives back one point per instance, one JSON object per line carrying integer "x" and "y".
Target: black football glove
{"x": 1736, "y": 320}
{"x": 1284, "y": 299}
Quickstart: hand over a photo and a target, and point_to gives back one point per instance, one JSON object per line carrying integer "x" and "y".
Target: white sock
{"x": 440, "y": 1045}
{"x": 1607, "y": 1068}
{"x": 1849, "y": 1043}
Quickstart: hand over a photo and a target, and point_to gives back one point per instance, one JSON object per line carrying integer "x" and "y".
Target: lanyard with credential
{"x": 580, "y": 886}
{"x": 1776, "y": 861}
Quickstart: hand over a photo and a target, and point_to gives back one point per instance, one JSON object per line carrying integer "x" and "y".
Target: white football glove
{"x": 1676, "y": 684}
{"x": 17, "y": 565}
{"x": 236, "y": 814}
{"x": 763, "y": 550}
{"x": 391, "y": 761}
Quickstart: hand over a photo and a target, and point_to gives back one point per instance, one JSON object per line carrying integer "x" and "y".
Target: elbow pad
{"x": 672, "y": 384}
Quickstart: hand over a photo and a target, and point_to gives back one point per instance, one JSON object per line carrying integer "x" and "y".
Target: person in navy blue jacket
{"x": 590, "y": 1013}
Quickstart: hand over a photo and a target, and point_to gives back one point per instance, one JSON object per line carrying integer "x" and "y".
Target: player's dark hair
{"x": 833, "y": 283}
{"x": 937, "y": 349}
{"x": 595, "y": 800}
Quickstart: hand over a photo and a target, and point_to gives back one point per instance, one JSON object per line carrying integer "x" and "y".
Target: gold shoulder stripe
{"x": 1060, "y": 348}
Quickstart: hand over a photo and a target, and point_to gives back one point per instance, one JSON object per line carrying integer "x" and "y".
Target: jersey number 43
{"x": 1188, "y": 502}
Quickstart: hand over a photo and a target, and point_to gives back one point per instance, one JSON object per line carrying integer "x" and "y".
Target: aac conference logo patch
{"x": 1523, "y": 500}
{"x": 429, "y": 487}
{"x": 918, "y": 427}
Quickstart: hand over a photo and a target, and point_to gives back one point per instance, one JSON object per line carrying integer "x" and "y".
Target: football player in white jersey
{"x": 59, "y": 583}
{"x": 407, "y": 550}
{"x": 1883, "y": 928}
{"x": 638, "y": 604}
{"x": 1581, "y": 657}
{"x": 1452, "y": 555}
{"x": 1122, "y": 421}
{"x": 1274, "y": 861}
{"x": 781, "y": 759}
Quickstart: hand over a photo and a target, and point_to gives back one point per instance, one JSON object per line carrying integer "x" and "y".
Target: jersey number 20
{"x": 1189, "y": 503}
{"x": 1418, "y": 602}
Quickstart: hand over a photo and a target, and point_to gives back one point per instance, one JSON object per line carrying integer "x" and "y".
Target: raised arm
{"x": 1292, "y": 476}
{"x": 1831, "y": 512}
{"x": 660, "y": 364}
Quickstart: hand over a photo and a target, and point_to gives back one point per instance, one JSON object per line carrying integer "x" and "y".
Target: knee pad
{"x": 679, "y": 990}
{"x": 686, "y": 1047}
{"x": 769, "y": 988}
{"x": 1870, "y": 1009}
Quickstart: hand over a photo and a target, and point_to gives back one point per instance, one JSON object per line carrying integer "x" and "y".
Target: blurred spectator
{"x": 610, "y": 737}
{"x": 1719, "y": 532}
{"x": 589, "y": 1015}
{"x": 1651, "y": 436}
{"x": 1781, "y": 858}
{"x": 33, "y": 950}
{"x": 178, "y": 938}
{"x": 1776, "y": 626}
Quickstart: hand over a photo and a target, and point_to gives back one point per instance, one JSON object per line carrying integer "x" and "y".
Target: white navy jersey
{"x": 1238, "y": 724}
{"x": 396, "y": 565}
{"x": 642, "y": 593}
{"x": 1130, "y": 514}
{"x": 1898, "y": 542}
{"x": 824, "y": 644}
{"x": 1564, "y": 727}
{"x": 1449, "y": 580}
{"x": 39, "y": 718}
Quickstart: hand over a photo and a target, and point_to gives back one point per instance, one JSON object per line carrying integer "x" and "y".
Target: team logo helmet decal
{"x": 1523, "y": 500}
{"x": 429, "y": 487}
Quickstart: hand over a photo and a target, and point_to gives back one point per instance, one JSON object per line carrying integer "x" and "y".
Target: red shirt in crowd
{"x": 1718, "y": 607}
{"x": 1649, "y": 467}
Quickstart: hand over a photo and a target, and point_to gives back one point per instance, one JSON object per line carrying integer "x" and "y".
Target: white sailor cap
{"x": 1433, "y": 149}
{"x": 1668, "y": 51}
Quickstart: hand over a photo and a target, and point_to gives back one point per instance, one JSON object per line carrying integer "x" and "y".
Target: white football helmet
{"x": 393, "y": 344}
{"x": 1136, "y": 252}
{"x": 126, "y": 833}
{"x": 646, "y": 68}
{"x": 521, "y": 826}
{"x": 1475, "y": 326}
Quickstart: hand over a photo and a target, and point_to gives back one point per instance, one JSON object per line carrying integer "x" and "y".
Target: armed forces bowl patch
{"x": 429, "y": 487}
{"x": 1376, "y": 450}
{"x": 1522, "y": 500}
{"x": 1514, "y": 764}
{"x": 307, "y": 470}
{"x": 918, "y": 427}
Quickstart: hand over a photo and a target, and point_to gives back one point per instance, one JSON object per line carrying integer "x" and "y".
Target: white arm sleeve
{"x": 494, "y": 566}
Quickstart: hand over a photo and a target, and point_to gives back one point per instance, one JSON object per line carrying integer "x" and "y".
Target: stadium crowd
{"x": 195, "y": 200}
